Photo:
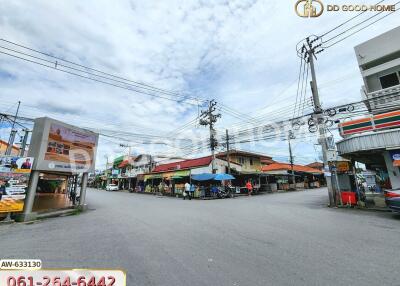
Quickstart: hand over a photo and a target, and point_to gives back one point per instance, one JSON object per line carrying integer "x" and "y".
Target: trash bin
{"x": 349, "y": 198}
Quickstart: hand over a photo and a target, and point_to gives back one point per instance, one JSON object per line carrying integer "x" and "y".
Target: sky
{"x": 240, "y": 53}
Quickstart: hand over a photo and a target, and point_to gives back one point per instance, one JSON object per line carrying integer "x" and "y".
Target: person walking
{"x": 187, "y": 191}
{"x": 249, "y": 187}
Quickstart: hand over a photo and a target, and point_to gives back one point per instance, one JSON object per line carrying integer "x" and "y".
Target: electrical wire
{"x": 342, "y": 39}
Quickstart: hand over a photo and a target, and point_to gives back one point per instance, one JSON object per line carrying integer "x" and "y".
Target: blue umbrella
{"x": 203, "y": 177}
{"x": 223, "y": 177}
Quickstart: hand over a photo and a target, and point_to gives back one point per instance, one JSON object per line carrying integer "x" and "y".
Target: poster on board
{"x": 395, "y": 155}
{"x": 66, "y": 145}
{"x": 14, "y": 179}
{"x": 60, "y": 147}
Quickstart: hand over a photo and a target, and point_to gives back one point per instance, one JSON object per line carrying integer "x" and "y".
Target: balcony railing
{"x": 383, "y": 100}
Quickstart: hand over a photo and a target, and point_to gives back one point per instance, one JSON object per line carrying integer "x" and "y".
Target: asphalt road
{"x": 278, "y": 239}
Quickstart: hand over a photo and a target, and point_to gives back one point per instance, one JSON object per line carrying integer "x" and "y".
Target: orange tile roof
{"x": 181, "y": 165}
{"x": 287, "y": 167}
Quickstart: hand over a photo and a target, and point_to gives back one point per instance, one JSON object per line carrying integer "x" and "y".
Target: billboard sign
{"x": 14, "y": 179}
{"x": 343, "y": 166}
{"x": 395, "y": 155}
{"x": 61, "y": 147}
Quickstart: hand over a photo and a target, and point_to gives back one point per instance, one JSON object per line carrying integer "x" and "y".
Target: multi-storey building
{"x": 374, "y": 139}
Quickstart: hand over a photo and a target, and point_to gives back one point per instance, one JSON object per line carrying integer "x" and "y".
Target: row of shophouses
{"x": 365, "y": 159}
{"x": 144, "y": 173}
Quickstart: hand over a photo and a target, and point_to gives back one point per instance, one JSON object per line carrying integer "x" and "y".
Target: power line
{"x": 137, "y": 83}
{"x": 298, "y": 85}
{"x": 379, "y": 19}
{"x": 347, "y": 21}
{"x": 154, "y": 92}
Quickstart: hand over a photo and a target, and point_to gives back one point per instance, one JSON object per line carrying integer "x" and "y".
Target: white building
{"x": 375, "y": 139}
{"x": 379, "y": 63}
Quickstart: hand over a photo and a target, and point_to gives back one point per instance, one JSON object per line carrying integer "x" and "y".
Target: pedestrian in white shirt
{"x": 187, "y": 192}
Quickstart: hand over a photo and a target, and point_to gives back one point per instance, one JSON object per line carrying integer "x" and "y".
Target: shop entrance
{"x": 55, "y": 191}
{"x": 376, "y": 177}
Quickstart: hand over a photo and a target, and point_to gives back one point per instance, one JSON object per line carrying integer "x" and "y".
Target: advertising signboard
{"x": 342, "y": 166}
{"x": 395, "y": 155}
{"x": 61, "y": 147}
{"x": 14, "y": 179}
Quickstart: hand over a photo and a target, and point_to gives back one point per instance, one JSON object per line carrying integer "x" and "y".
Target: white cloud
{"x": 240, "y": 52}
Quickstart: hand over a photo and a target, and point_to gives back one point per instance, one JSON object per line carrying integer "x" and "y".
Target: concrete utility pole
{"x": 291, "y": 136}
{"x": 24, "y": 141}
{"x": 12, "y": 133}
{"x": 318, "y": 115}
{"x": 209, "y": 118}
{"x": 227, "y": 152}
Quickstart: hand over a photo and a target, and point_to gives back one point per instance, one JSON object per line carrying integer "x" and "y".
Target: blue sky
{"x": 242, "y": 53}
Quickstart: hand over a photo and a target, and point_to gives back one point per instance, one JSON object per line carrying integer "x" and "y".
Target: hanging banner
{"x": 395, "y": 155}
{"x": 14, "y": 179}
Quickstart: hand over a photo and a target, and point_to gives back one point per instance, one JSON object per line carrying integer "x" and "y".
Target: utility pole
{"x": 228, "y": 152}
{"x": 24, "y": 141}
{"x": 12, "y": 133}
{"x": 291, "y": 136}
{"x": 318, "y": 114}
{"x": 129, "y": 149}
{"x": 208, "y": 118}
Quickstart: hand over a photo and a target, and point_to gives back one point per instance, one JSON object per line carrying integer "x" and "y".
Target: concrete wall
{"x": 246, "y": 166}
{"x": 372, "y": 81}
{"x": 394, "y": 172}
{"x": 220, "y": 165}
{"x": 378, "y": 47}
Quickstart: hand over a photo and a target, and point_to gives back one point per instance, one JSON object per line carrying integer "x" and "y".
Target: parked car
{"x": 112, "y": 187}
{"x": 392, "y": 199}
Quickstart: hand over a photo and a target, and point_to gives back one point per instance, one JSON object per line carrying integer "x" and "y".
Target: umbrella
{"x": 203, "y": 177}
{"x": 215, "y": 177}
{"x": 223, "y": 177}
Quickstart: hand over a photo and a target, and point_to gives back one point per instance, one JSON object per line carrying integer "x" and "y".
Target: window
{"x": 241, "y": 160}
{"x": 251, "y": 162}
{"x": 389, "y": 80}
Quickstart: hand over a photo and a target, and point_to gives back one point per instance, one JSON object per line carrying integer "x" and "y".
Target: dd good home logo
{"x": 309, "y": 8}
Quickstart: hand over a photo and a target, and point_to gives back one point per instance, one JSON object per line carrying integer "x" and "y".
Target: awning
{"x": 176, "y": 177}
{"x": 388, "y": 139}
{"x": 152, "y": 176}
{"x": 182, "y": 173}
{"x": 167, "y": 175}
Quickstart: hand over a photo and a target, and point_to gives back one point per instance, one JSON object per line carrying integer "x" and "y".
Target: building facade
{"x": 374, "y": 140}
{"x": 3, "y": 147}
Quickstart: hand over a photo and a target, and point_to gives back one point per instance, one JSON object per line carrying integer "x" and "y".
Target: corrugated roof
{"x": 287, "y": 167}
{"x": 186, "y": 164}
{"x": 123, "y": 164}
{"x": 316, "y": 165}
{"x": 243, "y": 153}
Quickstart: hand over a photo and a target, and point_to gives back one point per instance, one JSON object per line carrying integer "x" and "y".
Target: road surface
{"x": 276, "y": 239}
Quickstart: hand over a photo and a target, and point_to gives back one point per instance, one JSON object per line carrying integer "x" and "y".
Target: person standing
{"x": 2, "y": 189}
{"x": 249, "y": 187}
{"x": 187, "y": 191}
